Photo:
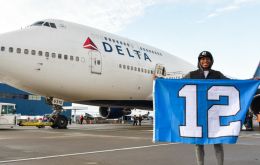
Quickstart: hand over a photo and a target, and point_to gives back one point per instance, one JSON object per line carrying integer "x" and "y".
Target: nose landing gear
{"x": 59, "y": 121}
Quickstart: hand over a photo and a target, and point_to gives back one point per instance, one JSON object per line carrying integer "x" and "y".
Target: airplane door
{"x": 96, "y": 62}
{"x": 159, "y": 71}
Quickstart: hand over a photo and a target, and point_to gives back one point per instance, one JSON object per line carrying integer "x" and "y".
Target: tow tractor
{"x": 9, "y": 118}
{"x": 40, "y": 123}
{"x": 54, "y": 120}
{"x": 46, "y": 120}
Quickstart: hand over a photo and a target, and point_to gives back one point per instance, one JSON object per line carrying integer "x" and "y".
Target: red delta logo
{"x": 89, "y": 44}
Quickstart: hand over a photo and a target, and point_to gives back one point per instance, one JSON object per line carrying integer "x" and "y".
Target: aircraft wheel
{"x": 61, "y": 122}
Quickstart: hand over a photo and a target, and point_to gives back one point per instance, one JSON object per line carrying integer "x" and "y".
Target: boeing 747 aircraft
{"x": 76, "y": 63}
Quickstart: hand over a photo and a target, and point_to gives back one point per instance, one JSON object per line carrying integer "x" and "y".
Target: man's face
{"x": 205, "y": 62}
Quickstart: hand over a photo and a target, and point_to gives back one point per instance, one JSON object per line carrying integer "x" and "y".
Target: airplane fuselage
{"x": 79, "y": 64}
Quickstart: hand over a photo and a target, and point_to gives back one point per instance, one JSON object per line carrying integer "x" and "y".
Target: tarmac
{"x": 113, "y": 144}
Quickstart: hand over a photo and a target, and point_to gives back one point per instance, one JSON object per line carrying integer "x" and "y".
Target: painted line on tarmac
{"x": 94, "y": 135}
{"x": 253, "y": 135}
{"x": 84, "y": 153}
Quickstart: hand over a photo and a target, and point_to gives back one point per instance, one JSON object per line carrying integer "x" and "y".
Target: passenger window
{"x": 53, "y": 25}
{"x": 46, "y": 24}
{"x": 53, "y": 55}
{"x": 33, "y": 52}
{"x": 40, "y": 53}
{"x": 128, "y": 67}
{"x": 2, "y": 48}
{"x": 26, "y": 51}
{"x": 77, "y": 58}
{"x": 59, "y": 56}
{"x": 138, "y": 69}
{"x": 65, "y": 57}
{"x": 11, "y": 49}
{"x": 135, "y": 68}
{"x": 120, "y": 65}
{"x": 71, "y": 58}
{"x": 124, "y": 66}
{"x": 82, "y": 59}
{"x": 132, "y": 68}
{"x": 151, "y": 72}
{"x": 47, "y": 54}
{"x": 142, "y": 70}
{"x": 18, "y": 50}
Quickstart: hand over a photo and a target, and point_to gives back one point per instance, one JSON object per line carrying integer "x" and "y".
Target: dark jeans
{"x": 219, "y": 152}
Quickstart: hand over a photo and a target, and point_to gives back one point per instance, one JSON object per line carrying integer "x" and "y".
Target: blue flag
{"x": 201, "y": 111}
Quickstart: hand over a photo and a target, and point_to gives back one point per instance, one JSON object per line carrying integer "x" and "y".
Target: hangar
{"x": 26, "y": 103}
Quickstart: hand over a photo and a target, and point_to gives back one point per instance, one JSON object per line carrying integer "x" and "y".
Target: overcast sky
{"x": 230, "y": 29}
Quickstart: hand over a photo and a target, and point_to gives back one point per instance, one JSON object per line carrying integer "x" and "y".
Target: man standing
{"x": 140, "y": 118}
{"x": 204, "y": 71}
{"x": 135, "y": 120}
{"x": 81, "y": 118}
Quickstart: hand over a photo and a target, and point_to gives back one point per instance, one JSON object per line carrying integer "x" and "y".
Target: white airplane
{"x": 67, "y": 61}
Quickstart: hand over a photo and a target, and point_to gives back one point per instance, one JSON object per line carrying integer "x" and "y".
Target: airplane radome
{"x": 67, "y": 61}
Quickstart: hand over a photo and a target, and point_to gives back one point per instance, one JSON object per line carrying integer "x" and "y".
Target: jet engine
{"x": 113, "y": 113}
{"x": 255, "y": 105}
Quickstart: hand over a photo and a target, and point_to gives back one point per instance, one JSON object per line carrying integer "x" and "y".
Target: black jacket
{"x": 199, "y": 74}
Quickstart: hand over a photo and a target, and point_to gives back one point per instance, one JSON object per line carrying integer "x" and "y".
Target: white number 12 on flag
{"x": 191, "y": 127}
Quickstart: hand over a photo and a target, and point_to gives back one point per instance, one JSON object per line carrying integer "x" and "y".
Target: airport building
{"x": 26, "y": 103}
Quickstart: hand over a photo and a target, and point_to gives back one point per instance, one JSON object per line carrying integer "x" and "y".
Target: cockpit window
{"x": 46, "y": 24}
{"x": 39, "y": 23}
{"x": 42, "y": 23}
{"x": 53, "y": 25}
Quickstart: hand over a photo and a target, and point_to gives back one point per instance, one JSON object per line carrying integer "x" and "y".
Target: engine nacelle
{"x": 113, "y": 113}
{"x": 255, "y": 105}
